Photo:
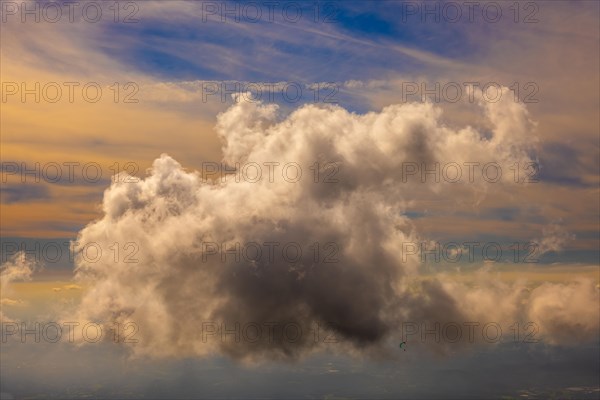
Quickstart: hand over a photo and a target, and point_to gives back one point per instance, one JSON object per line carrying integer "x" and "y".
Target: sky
{"x": 306, "y": 197}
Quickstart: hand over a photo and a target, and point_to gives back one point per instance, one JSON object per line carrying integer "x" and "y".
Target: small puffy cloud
{"x": 9, "y": 302}
{"x": 554, "y": 238}
{"x": 19, "y": 267}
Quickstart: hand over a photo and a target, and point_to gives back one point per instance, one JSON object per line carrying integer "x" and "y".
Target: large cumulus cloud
{"x": 178, "y": 285}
